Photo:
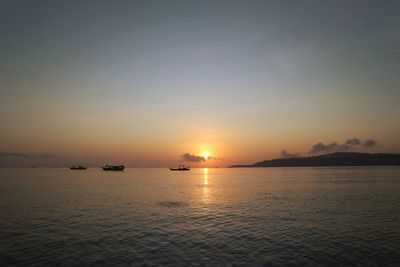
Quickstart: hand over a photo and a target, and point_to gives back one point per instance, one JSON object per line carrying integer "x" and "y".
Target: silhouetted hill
{"x": 333, "y": 159}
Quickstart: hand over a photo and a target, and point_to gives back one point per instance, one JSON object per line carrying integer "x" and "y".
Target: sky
{"x": 161, "y": 83}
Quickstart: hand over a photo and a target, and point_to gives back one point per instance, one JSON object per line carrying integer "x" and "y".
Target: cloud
{"x": 286, "y": 155}
{"x": 14, "y": 154}
{"x": 343, "y": 148}
{"x": 350, "y": 145}
{"x": 47, "y": 156}
{"x": 353, "y": 142}
{"x": 213, "y": 158}
{"x": 329, "y": 148}
{"x": 370, "y": 143}
{"x": 192, "y": 158}
{"x": 25, "y": 155}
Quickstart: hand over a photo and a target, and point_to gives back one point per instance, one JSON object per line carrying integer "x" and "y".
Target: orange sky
{"x": 143, "y": 84}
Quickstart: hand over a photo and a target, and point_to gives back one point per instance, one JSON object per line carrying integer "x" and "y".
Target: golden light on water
{"x": 205, "y": 185}
{"x": 205, "y": 178}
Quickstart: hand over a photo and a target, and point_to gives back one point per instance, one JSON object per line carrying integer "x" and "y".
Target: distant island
{"x": 332, "y": 159}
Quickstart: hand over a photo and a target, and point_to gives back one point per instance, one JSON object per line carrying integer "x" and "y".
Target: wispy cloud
{"x": 286, "y": 155}
{"x": 329, "y": 148}
{"x": 25, "y": 155}
{"x": 351, "y": 144}
{"x": 213, "y": 158}
{"x": 370, "y": 143}
{"x": 192, "y": 158}
{"x": 47, "y": 156}
{"x": 196, "y": 158}
{"x": 14, "y": 154}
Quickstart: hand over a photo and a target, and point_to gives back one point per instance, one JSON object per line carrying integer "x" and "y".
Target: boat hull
{"x": 113, "y": 168}
{"x": 77, "y": 168}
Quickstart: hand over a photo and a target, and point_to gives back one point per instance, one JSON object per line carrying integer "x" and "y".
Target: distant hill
{"x": 333, "y": 159}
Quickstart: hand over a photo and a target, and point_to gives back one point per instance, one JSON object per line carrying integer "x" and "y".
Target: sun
{"x": 205, "y": 154}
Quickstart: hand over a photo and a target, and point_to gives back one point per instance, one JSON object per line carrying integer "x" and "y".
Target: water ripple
{"x": 246, "y": 218}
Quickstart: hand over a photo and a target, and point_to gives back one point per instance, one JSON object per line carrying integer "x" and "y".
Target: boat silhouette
{"x": 78, "y": 168}
{"x": 113, "y": 168}
{"x": 180, "y": 168}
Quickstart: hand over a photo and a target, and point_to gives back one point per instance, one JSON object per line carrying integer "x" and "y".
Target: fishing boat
{"x": 78, "y": 168}
{"x": 180, "y": 168}
{"x": 114, "y": 167}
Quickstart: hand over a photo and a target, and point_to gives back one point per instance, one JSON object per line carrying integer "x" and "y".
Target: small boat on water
{"x": 78, "y": 168}
{"x": 114, "y": 167}
{"x": 180, "y": 168}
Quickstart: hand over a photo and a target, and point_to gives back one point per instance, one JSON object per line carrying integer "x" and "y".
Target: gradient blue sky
{"x": 143, "y": 82}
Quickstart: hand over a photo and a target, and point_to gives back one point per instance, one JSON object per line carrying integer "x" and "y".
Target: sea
{"x": 327, "y": 216}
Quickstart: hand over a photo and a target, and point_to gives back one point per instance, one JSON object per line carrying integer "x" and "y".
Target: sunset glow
{"x": 206, "y": 155}
{"x": 228, "y": 85}
{"x": 200, "y": 133}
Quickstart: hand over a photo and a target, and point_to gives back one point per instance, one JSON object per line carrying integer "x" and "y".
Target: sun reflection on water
{"x": 205, "y": 185}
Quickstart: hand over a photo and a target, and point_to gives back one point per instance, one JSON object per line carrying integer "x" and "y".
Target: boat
{"x": 78, "y": 168}
{"x": 114, "y": 167}
{"x": 180, "y": 168}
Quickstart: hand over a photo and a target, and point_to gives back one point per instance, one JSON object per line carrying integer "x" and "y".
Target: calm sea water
{"x": 205, "y": 217}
